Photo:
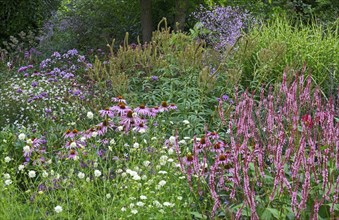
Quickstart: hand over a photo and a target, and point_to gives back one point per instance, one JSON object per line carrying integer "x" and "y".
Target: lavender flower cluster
{"x": 224, "y": 24}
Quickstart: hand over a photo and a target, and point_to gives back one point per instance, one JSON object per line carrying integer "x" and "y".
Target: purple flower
{"x": 34, "y": 84}
{"x": 154, "y": 78}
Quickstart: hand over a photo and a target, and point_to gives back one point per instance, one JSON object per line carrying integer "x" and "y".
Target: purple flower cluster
{"x": 291, "y": 137}
{"x": 224, "y": 24}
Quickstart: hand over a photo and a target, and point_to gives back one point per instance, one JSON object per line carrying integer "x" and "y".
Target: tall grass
{"x": 265, "y": 52}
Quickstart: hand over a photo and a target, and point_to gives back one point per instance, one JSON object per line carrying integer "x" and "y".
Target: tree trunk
{"x": 146, "y": 20}
{"x": 180, "y": 15}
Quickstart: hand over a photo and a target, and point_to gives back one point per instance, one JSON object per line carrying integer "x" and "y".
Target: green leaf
{"x": 336, "y": 119}
{"x": 266, "y": 215}
{"x": 198, "y": 215}
{"x": 274, "y": 212}
{"x": 324, "y": 147}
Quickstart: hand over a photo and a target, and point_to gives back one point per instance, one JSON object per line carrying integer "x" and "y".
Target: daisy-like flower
{"x": 188, "y": 159}
{"x": 164, "y": 107}
{"x": 202, "y": 144}
{"x": 214, "y": 135}
{"x": 129, "y": 120}
{"x": 143, "y": 110}
{"x": 119, "y": 99}
{"x": 27, "y": 151}
{"x": 73, "y": 154}
{"x": 103, "y": 127}
{"x": 71, "y": 134}
{"x": 172, "y": 106}
{"x": 88, "y": 133}
{"x": 120, "y": 109}
{"x": 141, "y": 127}
{"x": 106, "y": 112}
{"x": 154, "y": 111}
{"x": 218, "y": 147}
{"x": 222, "y": 159}
{"x": 8, "y": 182}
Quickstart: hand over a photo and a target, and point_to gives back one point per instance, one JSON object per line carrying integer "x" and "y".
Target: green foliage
{"x": 17, "y": 16}
{"x": 264, "y": 53}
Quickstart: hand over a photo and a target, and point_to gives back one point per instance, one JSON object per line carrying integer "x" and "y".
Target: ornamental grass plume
{"x": 283, "y": 149}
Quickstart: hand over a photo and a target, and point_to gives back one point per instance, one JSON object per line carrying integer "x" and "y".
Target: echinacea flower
{"x": 163, "y": 107}
{"x": 188, "y": 159}
{"x": 172, "y": 106}
{"x": 141, "y": 127}
{"x": 121, "y": 109}
{"x": 142, "y": 110}
{"x": 106, "y": 112}
{"x": 119, "y": 99}
{"x": 129, "y": 120}
{"x": 73, "y": 154}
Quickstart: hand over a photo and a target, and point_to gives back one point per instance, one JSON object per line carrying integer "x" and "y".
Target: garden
{"x": 233, "y": 115}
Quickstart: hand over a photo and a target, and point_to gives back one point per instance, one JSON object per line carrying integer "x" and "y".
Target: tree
{"x": 146, "y": 19}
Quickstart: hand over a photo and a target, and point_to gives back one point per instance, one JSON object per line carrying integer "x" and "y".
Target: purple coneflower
{"x": 141, "y": 127}
{"x": 102, "y": 128}
{"x": 72, "y": 154}
{"x": 106, "y": 112}
{"x": 188, "y": 159}
{"x": 172, "y": 106}
{"x": 71, "y": 134}
{"x": 143, "y": 110}
{"x": 121, "y": 109}
{"x": 119, "y": 99}
{"x": 164, "y": 107}
{"x": 130, "y": 119}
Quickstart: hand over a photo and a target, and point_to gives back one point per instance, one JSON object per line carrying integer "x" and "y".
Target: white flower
{"x": 22, "y": 136}
{"x": 136, "y": 177}
{"x": 119, "y": 170}
{"x": 170, "y": 151}
{"x": 112, "y": 142}
{"x": 108, "y": 196}
{"x": 120, "y": 128}
{"x": 182, "y": 142}
{"x": 81, "y": 175}
{"x": 44, "y": 174}
{"x": 31, "y": 174}
{"x": 97, "y": 173}
{"x": 146, "y": 163}
{"x": 168, "y": 204}
{"x": 7, "y": 159}
{"x": 141, "y": 204}
{"x": 123, "y": 209}
{"x": 157, "y": 204}
{"x": 88, "y": 179}
{"x": 90, "y": 115}
{"x": 172, "y": 140}
{"x": 179, "y": 197}
{"x": 142, "y": 197}
{"x": 21, "y": 167}
{"x": 144, "y": 177}
{"x": 162, "y": 183}
{"x": 134, "y": 211}
{"x": 83, "y": 139}
{"x": 95, "y": 164}
{"x": 154, "y": 138}
{"x": 73, "y": 144}
{"x": 136, "y": 145}
{"x": 170, "y": 160}
{"x": 7, "y": 176}
{"x": 187, "y": 138}
{"x": 186, "y": 122}
{"x": 29, "y": 141}
{"x": 131, "y": 205}
{"x": 162, "y": 172}
{"x": 58, "y": 209}
{"x": 26, "y": 149}
{"x": 8, "y": 182}
{"x": 94, "y": 134}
